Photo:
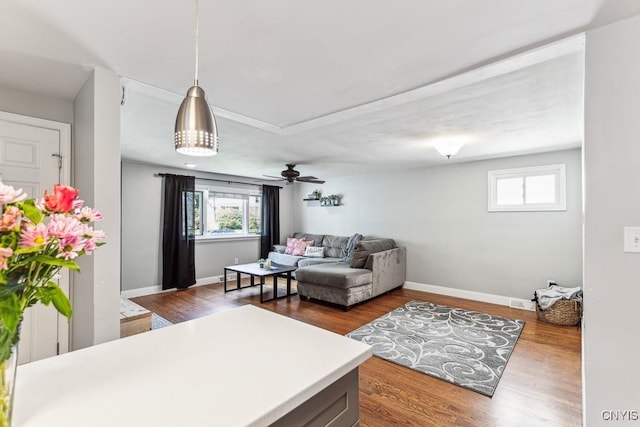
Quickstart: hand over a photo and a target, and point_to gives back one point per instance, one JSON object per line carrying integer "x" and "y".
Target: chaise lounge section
{"x": 373, "y": 266}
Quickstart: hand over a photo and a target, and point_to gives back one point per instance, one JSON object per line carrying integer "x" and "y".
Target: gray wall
{"x": 141, "y": 229}
{"x": 34, "y": 105}
{"x": 440, "y": 215}
{"x": 612, "y": 201}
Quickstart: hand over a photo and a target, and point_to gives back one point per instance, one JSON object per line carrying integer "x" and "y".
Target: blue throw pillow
{"x": 351, "y": 245}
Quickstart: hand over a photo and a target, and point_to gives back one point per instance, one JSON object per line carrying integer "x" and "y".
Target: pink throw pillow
{"x": 291, "y": 245}
{"x": 297, "y": 246}
{"x": 301, "y": 247}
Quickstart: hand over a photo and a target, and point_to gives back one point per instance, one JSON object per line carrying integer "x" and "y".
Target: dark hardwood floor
{"x": 541, "y": 385}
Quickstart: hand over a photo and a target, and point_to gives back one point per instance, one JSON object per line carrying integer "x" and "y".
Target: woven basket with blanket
{"x": 559, "y": 305}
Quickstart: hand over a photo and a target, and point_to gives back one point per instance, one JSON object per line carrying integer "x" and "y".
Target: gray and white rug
{"x": 158, "y": 322}
{"x": 466, "y": 348}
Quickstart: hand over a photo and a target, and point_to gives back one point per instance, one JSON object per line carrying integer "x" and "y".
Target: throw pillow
{"x": 314, "y": 251}
{"x": 366, "y": 247}
{"x": 291, "y": 245}
{"x": 300, "y": 247}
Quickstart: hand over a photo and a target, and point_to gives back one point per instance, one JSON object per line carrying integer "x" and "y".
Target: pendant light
{"x": 196, "y": 133}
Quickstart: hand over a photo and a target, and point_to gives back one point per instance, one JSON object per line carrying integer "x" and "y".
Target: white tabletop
{"x": 243, "y": 367}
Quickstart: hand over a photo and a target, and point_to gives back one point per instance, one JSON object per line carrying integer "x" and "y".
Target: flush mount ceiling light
{"x": 448, "y": 148}
{"x": 196, "y": 133}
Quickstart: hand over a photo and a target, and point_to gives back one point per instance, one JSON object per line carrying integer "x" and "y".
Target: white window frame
{"x": 558, "y": 170}
{"x": 206, "y": 189}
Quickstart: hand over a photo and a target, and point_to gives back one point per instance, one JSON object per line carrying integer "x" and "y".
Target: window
{"x": 227, "y": 212}
{"x": 538, "y": 188}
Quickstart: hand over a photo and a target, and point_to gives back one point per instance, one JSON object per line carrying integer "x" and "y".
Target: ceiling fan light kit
{"x": 291, "y": 175}
{"x": 196, "y": 133}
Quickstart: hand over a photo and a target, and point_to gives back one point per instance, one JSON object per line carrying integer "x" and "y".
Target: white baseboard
{"x": 150, "y": 290}
{"x": 140, "y": 292}
{"x": 519, "y": 303}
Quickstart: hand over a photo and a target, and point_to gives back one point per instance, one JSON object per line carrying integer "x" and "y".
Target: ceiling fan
{"x": 290, "y": 175}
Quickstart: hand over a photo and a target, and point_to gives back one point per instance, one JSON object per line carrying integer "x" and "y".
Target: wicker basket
{"x": 563, "y": 312}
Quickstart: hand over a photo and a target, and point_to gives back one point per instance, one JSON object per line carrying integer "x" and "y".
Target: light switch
{"x": 632, "y": 239}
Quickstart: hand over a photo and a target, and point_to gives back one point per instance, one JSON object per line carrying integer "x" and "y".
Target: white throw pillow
{"x": 314, "y": 251}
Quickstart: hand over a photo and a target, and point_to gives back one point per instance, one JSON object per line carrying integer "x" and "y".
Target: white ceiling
{"x": 339, "y": 87}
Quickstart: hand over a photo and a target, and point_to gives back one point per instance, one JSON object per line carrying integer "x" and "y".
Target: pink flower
{"x": 90, "y": 246}
{"x": 87, "y": 214}
{"x": 89, "y": 233}
{"x": 4, "y": 254}
{"x": 93, "y": 237}
{"x": 33, "y": 235}
{"x": 70, "y": 245}
{"x": 8, "y": 194}
{"x": 78, "y": 204}
{"x": 62, "y": 226}
{"x": 10, "y": 219}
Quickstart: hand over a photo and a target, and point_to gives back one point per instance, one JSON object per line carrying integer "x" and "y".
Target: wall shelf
{"x": 327, "y": 205}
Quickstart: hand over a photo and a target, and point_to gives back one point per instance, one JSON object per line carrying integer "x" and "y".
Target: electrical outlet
{"x": 236, "y": 261}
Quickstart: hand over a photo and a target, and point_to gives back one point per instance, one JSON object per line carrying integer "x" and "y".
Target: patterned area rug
{"x": 466, "y": 348}
{"x": 158, "y": 322}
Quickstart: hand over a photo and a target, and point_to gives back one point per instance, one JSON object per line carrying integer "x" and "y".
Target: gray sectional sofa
{"x": 347, "y": 275}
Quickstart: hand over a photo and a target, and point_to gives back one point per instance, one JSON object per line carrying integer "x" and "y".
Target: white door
{"x": 34, "y": 155}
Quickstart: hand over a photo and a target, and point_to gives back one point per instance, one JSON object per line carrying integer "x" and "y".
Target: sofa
{"x": 354, "y": 268}
{"x": 335, "y": 248}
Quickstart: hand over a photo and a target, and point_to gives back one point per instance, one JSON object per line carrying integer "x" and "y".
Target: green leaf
{"x": 44, "y": 294}
{"x": 8, "y": 339}
{"x": 22, "y": 251}
{"x": 60, "y": 300}
{"x": 10, "y": 312}
{"x": 58, "y": 262}
{"x": 31, "y": 211}
{"x": 52, "y": 293}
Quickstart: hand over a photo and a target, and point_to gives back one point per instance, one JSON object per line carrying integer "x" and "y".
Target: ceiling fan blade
{"x": 276, "y": 177}
{"x": 306, "y": 177}
{"x": 309, "y": 179}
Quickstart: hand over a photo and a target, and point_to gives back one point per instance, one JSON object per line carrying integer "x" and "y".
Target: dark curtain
{"x": 178, "y": 240}
{"x": 270, "y": 219}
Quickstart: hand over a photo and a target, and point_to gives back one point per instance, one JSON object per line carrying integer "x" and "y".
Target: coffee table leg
{"x": 238, "y": 280}
{"x": 225, "y": 280}
{"x": 288, "y": 283}
{"x": 261, "y": 283}
{"x": 252, "y": 280}
{"x": 275, "y": 286}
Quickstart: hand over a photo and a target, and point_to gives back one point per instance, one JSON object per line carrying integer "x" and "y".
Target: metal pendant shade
{"x": 196, "y": 133}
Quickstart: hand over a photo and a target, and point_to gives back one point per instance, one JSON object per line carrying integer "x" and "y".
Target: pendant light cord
{"x": 197, "y": 41}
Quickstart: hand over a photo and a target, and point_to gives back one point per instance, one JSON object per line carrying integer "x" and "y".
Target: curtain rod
{"x": 218, "y": 180}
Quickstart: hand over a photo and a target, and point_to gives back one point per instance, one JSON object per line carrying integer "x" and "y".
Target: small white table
{"x": 243, "y": 367}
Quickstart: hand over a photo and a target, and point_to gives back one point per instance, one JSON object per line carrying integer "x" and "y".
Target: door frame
{"x": 64, "y": 130}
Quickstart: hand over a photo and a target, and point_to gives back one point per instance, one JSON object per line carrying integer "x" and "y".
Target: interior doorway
{"x": 35, "y": 155}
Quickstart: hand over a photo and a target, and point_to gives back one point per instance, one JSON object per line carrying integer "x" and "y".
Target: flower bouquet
{"x": 38, "y": 237}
